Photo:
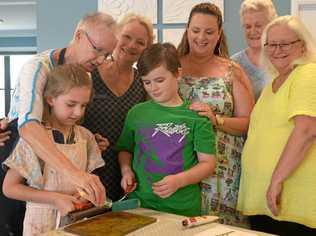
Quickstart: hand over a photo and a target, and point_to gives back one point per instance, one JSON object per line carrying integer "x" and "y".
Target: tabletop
{"x": 170, "y": 224}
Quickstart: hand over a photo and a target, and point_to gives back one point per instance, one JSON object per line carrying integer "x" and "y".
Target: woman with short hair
{"x": 254, "y": 16}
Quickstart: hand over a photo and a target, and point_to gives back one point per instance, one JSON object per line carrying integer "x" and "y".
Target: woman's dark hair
{"x": 221, "y": 48}
{"x": 156, "y": 55}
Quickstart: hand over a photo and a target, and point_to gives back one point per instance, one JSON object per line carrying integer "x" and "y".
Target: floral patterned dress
{"x": 220, "y": 191}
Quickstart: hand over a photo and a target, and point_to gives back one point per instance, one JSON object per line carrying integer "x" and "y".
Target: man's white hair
{"x": 95, "y": 19}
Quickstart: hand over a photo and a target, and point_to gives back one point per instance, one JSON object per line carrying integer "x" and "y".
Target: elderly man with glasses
{"x": 93, "y": 41}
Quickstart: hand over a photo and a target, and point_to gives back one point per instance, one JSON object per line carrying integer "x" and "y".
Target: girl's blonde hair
{"x": 296, "y": 25}
{"x": 141, "y": 20}
{"x": 258, "y": 6}
{"x": 221, "y": 48}
{"x": 62, "y": 79}
{"x": 65, "y": 77}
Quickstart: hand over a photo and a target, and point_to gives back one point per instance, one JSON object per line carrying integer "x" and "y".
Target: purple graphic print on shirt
{"x": 162, "y": 147}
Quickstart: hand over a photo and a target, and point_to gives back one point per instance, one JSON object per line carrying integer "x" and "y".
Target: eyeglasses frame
{"x": 98, "y": 51}
{"x": 280, "y": 45}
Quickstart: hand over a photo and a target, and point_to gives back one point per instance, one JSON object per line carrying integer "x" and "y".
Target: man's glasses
{"x": 285, "y": 47}
{"x": 99, "y": 51}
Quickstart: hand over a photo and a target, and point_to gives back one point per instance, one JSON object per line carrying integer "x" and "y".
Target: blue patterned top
{"x": 257, "y": 76}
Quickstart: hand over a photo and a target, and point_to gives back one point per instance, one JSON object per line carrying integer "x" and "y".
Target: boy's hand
{"x": 65, "y": 203}
{"x": 128, "y": 182}
{"x": 167, "y": 186}
{"x": 102, "y": 142}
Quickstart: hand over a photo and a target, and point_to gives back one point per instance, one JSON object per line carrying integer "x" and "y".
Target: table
{"x": 167, "y": 224}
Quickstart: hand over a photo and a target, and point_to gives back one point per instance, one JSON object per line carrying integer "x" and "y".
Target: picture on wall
{"x": 119, "y": 8}
{"x": 168, "y": 16}
{"x": 177, "y": 11}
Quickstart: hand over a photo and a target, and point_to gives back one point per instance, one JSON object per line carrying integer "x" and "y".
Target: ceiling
{"x": 19, "y": 17}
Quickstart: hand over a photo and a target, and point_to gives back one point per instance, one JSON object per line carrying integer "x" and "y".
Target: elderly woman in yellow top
{"x": 278, "y": 183}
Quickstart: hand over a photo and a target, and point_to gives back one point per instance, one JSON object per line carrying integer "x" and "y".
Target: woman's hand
{"x": 274, "y": 196}
{"x": 167, "y": 186}
{"x": 128, "y": 182}
{"x": 204, "y": 109}
{"x": 298, "y": 144}
{"x": 102, "y": 142}
{"x": 4, "y": 135}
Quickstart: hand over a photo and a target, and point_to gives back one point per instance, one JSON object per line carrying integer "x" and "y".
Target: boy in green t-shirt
{"x": 165, "y": 148}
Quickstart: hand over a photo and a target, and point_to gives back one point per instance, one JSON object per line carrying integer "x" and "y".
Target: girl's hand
{"x": 128, "y": 182}
{"x": 80, "y": 198}
{"x": 167, "y": 186}
{"x": 65, "y": 203}
{"x": 204, "y": 109}
{"x": 102, "y": 142}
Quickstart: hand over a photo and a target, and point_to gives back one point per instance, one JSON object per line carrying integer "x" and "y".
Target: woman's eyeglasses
{"x": 285, "y": 47}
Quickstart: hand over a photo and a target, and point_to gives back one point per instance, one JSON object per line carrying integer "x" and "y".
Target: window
{"x": 305, "y": 10}
{"x": 10, "y": 66}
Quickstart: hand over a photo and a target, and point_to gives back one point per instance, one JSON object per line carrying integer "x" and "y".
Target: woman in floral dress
{"x": 220, "y": 90}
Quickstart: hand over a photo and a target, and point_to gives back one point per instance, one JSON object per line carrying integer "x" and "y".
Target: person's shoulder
{"x": 309, "y": 66}
{"x": 43, "y": 56}
{"x": 197, "y": 119}
{"x": 238, "y": 56}
{"x": 190, "y": 113}
{"x": 306, "y": 70}
{"x": 40, "y": 59}
{"x": 83, "y": 132}
{"x": 142, "y": 105}
{"x": 231, "y": 66}
{"x": 226, "y": 62}
{"x": 237, "y": 69}
{"x": 304, "y": 74}
{"x": 139, "y": 107}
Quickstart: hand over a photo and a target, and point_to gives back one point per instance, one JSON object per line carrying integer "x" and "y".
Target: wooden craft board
{"x": 110, "y": 224}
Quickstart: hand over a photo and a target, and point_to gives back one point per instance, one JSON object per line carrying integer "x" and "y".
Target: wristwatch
{"x": 219, "y": 120}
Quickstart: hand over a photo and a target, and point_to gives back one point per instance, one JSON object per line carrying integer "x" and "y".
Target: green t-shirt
{"x": 164, "y": 141}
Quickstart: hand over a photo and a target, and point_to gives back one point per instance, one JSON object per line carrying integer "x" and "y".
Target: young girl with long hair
{"x": 48, "y": 193}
